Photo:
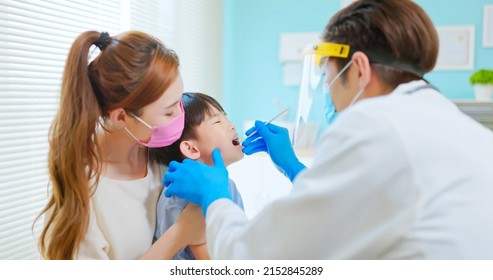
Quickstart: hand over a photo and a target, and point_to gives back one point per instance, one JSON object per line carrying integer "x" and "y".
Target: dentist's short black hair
{"x": 394, "y": 28}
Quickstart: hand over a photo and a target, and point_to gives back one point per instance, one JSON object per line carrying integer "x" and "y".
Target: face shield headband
{"x": 326, "y": 50}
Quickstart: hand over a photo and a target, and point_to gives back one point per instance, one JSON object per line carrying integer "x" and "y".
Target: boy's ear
{"x": 189, "y": 149}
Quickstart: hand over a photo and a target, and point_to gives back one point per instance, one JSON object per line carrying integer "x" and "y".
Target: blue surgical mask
{"x": 330, "y": 109}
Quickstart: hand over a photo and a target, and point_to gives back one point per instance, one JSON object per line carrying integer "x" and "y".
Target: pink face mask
{"x": 163, "y": 135}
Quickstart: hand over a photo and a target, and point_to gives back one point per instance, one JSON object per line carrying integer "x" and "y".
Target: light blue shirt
{"x": 169, "y": 208}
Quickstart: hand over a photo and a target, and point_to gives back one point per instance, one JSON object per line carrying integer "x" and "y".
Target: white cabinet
{"x": 259, "y": 182}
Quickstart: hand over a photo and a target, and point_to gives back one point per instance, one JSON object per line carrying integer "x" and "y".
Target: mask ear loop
{"x": 141, "y": 121}
{"x": 131, "y": 134}
{"x": 356, "y": 96}
{"x": 340, "y": 73}
{"x": 326, "y": 87}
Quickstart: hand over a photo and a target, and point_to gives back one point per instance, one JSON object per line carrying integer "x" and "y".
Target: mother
{"x": 104, "y": 187}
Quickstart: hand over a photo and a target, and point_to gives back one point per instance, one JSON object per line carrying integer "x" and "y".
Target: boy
{"x": 206, "y": 128}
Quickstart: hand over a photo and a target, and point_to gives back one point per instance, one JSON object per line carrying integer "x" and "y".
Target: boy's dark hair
{"x": 197, "y": 107}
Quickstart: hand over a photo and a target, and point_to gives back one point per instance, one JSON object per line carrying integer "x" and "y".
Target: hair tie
{"x": 103, "y": 41}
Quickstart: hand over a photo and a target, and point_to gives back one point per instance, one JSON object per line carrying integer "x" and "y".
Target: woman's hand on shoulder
{"x": 191, "y": 225}
{"x": 189, "y": 229}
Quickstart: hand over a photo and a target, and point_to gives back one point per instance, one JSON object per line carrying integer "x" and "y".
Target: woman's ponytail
{"x": 74, "y": 156}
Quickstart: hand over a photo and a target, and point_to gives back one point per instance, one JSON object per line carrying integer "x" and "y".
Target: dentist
{"x": 401, "y": 173}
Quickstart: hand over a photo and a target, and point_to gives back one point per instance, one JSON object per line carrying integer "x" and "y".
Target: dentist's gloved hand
{"x": 198, "y": 182}
{"x": 275, "y": 141}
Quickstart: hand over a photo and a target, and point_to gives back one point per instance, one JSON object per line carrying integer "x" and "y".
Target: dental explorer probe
{"x": 271, "y": 120}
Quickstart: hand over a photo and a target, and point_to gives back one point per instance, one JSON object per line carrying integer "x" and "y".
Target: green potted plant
{"x": 482, "y": 81}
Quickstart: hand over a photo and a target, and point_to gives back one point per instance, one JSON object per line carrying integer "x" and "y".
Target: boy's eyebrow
{"x": 217, "y": 115}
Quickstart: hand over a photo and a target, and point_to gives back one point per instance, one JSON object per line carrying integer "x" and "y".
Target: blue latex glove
{"x": 198, "y": 182}
{"x": 275, "y": 141}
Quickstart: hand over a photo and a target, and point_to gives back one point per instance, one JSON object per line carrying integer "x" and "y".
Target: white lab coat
{"x": 402, "y": 176}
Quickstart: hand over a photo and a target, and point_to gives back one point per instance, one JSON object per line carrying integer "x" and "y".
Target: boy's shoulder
{"x": 181, "y": 203}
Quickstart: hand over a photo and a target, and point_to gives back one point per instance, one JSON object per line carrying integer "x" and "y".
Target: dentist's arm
{"x": 197, "y": 182}
{"x": 275, "y": 141}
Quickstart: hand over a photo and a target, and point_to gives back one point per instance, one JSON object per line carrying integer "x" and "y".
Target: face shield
{"x": 314, "y": 58}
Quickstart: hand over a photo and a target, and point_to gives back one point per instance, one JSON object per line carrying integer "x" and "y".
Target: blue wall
{"x": 252, "y": 70}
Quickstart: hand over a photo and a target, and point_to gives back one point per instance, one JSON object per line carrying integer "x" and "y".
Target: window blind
{"x": 34, "y": 40}
{"x": 35, "y": 37}
{"x": 143, "y": 17}
{"x": 198, "y": 40}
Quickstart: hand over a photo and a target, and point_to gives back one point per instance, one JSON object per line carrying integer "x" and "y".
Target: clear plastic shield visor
{"x": 314, "y": 56}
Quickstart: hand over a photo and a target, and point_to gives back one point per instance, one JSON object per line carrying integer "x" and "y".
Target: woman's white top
{"x": 123, "y": 217}
{"x": 402, "y": 176}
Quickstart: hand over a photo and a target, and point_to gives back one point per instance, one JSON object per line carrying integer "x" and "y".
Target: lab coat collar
{"x": 410, "y": 86}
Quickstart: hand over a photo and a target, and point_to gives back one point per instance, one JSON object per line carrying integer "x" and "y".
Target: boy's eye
{"x": 218, "y": 121}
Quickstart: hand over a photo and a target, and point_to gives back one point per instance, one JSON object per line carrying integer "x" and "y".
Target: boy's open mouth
{"x": 236, "y": 142}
